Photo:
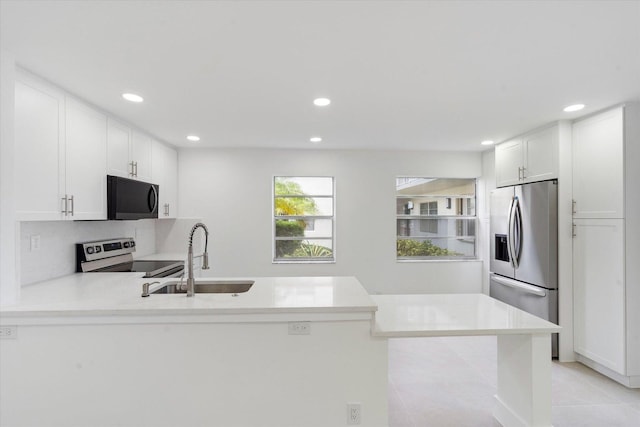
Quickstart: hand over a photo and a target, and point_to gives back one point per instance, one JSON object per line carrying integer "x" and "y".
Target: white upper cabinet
{"x": 64, "y": 151}
{"x": 118, "y": 143}
{"x": 39, "y": 150}
{"x": 598, "y": 166}
{"x": 141, "y": 155}
{"x": 541, "y": 155}
{"x": 509, "y": 157}
{"x": 128, "y": 152}
{"x": 530, "y": 158}
{"x": 165, "y": 174}
{"x": 86, "y": 165}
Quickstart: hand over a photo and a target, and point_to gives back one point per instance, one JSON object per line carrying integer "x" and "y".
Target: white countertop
{"x": 452, "y": 314}
{"x": 114, "y": 294}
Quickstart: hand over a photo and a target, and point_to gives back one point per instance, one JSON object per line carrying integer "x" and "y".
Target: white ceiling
{"x": 425, "y": 75}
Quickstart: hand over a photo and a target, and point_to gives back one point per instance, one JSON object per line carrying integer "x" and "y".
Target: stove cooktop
{"x": 116, "y": 256}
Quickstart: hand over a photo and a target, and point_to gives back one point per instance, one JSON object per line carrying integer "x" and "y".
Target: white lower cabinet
{"x": 165, "y": 174}
{"x": 598, "y": 286}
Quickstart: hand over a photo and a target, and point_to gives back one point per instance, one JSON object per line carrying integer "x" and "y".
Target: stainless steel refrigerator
{"x": 524, "y": 249}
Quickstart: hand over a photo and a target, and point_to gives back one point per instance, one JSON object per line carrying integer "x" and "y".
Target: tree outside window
{"x": 303, "y": 219}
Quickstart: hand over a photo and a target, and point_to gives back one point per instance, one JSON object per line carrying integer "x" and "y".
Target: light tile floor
{"x": 450, "y": 381}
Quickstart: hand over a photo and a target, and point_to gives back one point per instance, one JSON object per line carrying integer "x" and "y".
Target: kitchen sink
{"x": 206, "y": 287}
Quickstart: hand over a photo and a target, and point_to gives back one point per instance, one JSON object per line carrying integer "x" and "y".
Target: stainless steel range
{"x": 116, "y": 255}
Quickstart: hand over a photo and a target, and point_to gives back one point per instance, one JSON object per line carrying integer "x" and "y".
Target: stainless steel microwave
{"x": 131, "y": 199}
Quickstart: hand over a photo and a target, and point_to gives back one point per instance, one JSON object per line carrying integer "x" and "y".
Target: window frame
{"x": 274, "y": 218}
{"x": 452, "y": 218}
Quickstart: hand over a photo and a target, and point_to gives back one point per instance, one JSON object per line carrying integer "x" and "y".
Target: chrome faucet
{"x": 205, "y": 257}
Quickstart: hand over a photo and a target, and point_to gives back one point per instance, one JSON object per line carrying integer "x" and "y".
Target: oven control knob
{"x": 90, "y": 250}
{"x": 133, "y": 243}
{"x": 98, "y": 249}
{"x": 127, "y": 244}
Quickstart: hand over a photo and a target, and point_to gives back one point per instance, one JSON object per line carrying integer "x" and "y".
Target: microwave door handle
{"x": 155, "y": 198}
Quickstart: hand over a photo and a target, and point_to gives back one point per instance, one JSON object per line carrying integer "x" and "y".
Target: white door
{"x": 86, "y": 160}
{"x": 141, "y": 155}
{"x": 39, "y": 151}
{"x": 598, "y": 166}
{"x": 165, "y": 174}
{"x": 118, "y": 141}
{"x": 541, "y": 155}
{"x": 598, "y": 287}
{"x": 509, "y": 161}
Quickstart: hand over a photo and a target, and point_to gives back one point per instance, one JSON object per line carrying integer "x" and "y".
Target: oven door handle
{"x": 529, "y": 289}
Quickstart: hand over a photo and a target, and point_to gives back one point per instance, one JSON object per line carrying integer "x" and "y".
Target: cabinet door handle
{"x": 72, "y": 205}
{"x": 136, "y": 170}
{"x": 573, "y": 207}
{"x": 573, "y": 230}
{"x": 519, "y": 173}
{"x": 64, "y": 210}
{"x": 132, "y": 172}
{"x": 166, "y": 209}
{"x": 524, "y": 176}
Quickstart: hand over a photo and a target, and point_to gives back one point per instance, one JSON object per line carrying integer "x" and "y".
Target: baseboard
{"x": 632, "y": 381}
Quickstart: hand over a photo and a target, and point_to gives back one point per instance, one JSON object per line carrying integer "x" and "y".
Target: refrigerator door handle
{"x": 530, "y": 289}
{"x": 510, "y": 243}
{"x": 517, "y": 232}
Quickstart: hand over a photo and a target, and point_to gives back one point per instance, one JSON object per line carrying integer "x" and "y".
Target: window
{"x": 429, "y": 225}
{"x": 435, "y": 218}
{"x": 303, "y": 219}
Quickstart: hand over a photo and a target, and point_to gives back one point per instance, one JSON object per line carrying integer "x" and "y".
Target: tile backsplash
{"x": 56, "y": 257}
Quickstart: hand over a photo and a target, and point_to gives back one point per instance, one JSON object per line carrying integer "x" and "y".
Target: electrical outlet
{"x": 299, "y": 328}
{"x": 354, "y": 413}
{"x": 35, "y": 243}
{"x": 8, "y": 332}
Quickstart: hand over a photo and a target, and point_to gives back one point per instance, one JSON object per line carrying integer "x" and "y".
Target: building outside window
{"x": 435, "y": 218}
{"x": 303, "y": 219}
{"x": 429, "y": 209}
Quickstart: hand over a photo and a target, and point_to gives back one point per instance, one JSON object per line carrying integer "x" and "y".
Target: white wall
{"x": 56, "y": 256}
{"x": 485, "y": 185}
{"x": 231, "y": 191}
{"x": 9, "y": 279}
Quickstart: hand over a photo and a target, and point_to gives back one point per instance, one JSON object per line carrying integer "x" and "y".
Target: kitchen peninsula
{"x": 91, "y": 351}
{"x": 292, "y": 351}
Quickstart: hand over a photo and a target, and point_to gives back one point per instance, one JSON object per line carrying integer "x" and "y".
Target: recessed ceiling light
{"x": 315, "y": 139}
{"x": 574, "y": 107}
{"x": 487, "y": 142}
{"x": 193, "y": 138}
{"x": 132, "y": 97}
{"x": 322, "y": 102}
